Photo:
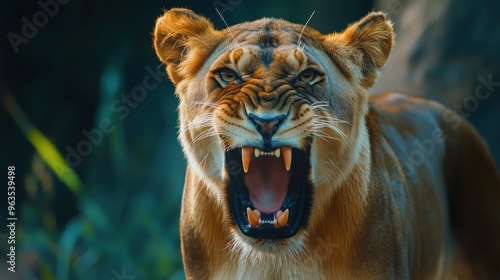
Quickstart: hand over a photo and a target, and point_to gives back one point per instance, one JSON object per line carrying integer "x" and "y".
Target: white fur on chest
{"x": 269, "y": 270}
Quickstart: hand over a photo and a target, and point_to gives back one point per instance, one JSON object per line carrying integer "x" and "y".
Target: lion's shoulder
{"x": 414, "y": 130}
{"x": 422, "y": 134}
{"x": 405, "y": 107}
{"x": 408, "y": 116}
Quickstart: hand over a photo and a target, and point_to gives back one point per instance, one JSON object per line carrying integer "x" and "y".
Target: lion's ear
{"x": 367, "y": 44}
{"x": 182, "y": 35}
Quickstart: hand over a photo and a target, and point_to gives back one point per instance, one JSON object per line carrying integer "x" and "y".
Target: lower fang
{"x": 281, "y": 218}
{"x": 253, "y": 217}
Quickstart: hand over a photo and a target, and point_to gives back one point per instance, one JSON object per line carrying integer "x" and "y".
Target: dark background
{"x": 120, "y": 219}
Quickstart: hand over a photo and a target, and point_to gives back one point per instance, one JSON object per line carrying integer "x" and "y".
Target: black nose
{"x": 267, "y": 127}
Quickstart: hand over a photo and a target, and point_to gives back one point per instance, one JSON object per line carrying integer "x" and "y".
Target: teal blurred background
{"x": 89, "y": 120}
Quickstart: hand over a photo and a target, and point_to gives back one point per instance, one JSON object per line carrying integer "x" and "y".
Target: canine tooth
{"x": 287, "y": 157}
{"x": 277, "y": 152}
{"x": 257, "y": 152}
{"x": 253, "y": 217}
{"x": 246, "y": 156}
{"x": 281, "y": 218}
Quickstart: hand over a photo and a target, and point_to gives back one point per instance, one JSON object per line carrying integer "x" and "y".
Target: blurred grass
{"x": 43, "y": 145}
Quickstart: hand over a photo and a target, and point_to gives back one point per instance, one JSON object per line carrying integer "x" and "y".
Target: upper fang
{"x": 287, "y": 157}
{"x": 246, "y": 156}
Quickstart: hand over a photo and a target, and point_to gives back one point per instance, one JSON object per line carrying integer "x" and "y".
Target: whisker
{"x": 229, "y": 29}
{"x": 319, "y": 105}
{"x": 325, "y": 136}
{"x": 205, "y": 120}
{"x": 303, "y": 28}
{"x": 321, "y": 121}
{"x": 329, "y": 119}
{"x": 332, "y": 127}
{"x": 203, "y": 117}
{"x": 198, "y": 125}
{"x": 203, "y": 135}
{"x": 318, "y": 131}
{"x": 208, "y": 104}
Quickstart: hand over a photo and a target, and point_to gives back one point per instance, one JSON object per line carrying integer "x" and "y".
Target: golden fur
{"x": 403, "y": 188}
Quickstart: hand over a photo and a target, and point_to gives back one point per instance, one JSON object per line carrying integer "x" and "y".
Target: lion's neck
{"x": 341, "y": 205}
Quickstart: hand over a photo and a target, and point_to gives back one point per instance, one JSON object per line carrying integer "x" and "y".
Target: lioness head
{"x": 271, "y": 114}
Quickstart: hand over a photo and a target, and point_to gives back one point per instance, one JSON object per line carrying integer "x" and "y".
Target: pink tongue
{"x": 267, "y": 183}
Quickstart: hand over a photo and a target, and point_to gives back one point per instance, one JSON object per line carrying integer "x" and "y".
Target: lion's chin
{"x": 249, "y": 248}
{"x": 268, "y": 192}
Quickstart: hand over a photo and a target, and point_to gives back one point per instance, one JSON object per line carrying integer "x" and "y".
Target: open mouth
{"x": 269, "y": 193}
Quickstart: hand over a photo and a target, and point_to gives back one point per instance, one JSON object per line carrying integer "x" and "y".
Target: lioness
{"x": 294, "y": 172}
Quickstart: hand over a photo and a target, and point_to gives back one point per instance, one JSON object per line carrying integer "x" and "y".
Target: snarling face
{"x": 268, "y": 97}
{"x": 270, "y": 114}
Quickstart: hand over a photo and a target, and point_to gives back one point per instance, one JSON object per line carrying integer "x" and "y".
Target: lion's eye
{"x": 307, "y": 75}
{"x": 227, "y": 75}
